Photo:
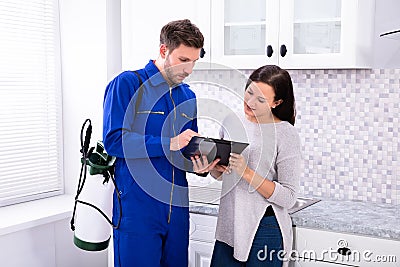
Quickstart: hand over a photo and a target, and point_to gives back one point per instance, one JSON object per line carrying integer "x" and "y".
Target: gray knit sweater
{"x": 274, "y": 153}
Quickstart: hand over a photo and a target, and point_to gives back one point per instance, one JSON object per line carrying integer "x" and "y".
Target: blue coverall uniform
{"x": 151, "y": 179}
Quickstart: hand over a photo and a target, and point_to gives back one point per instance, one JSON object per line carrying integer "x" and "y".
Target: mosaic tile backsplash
{"x": 348, "y": 121}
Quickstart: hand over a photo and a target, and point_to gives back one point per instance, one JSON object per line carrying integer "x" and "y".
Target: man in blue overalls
{"x": 147, "y": 130}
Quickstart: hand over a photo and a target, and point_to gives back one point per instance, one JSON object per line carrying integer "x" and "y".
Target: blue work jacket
{"x": 139, "y": 134}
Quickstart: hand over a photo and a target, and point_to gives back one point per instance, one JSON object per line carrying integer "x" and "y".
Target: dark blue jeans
{"x": 264, "y": 251}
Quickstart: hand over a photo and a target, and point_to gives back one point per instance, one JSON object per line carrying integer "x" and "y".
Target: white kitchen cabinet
{"x": 314, "y": 33}
{"x": 316, "y": 248}
{"x": 201, "y": 239}
{"x": 200, "y": 253}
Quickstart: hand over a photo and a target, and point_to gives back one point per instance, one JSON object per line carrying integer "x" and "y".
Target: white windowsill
{"x": 34, "y": 213}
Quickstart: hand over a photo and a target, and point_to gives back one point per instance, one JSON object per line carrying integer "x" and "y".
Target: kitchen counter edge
{"x": 343, "y": 216}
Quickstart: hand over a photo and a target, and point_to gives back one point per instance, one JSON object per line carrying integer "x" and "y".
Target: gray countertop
{"x": 352, "y": 217}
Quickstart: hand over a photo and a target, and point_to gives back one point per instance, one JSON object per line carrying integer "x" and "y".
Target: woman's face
{"x": 258, "y": 101}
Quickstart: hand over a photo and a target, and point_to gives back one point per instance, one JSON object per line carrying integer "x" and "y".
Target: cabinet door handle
{"x": 283, "y": 50}
{"x": 344, "y": 251}
{"x": 270, "y": 51}
{"x": 202, "y": 52}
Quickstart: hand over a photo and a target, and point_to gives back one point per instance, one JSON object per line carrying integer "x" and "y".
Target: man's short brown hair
{"x": 180, "y": 32}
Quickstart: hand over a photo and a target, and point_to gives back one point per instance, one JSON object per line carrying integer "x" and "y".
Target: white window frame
{"x": 31, "y": 163}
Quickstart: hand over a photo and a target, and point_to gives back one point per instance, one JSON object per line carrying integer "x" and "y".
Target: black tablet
{"x": 213, "y": 148}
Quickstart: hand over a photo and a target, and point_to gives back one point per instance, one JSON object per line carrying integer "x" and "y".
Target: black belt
{"x": 269, "y": 212}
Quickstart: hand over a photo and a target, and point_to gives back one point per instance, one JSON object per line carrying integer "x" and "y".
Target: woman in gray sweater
{"x": 260, "y": 185}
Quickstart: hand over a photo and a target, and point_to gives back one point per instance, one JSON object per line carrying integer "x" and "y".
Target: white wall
{"x": 91, "y": 56}
{"x": 84, "y": 76}
{"x": 33, "y": 247}
{"x": 47, "y": 245}
{"x": 90, "y": 34}
{"x": 142, "y": 22}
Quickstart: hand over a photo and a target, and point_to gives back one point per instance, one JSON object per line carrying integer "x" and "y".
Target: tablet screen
{"x": 213, "y": 148}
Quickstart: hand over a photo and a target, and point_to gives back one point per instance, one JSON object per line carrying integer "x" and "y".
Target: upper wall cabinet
{"x": 294, "y": 34}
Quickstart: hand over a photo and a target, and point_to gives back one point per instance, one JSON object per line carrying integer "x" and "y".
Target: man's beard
{"x": 169, "y": 73}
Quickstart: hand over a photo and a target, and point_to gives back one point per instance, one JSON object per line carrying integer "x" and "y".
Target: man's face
{"x": 179, "y": 63}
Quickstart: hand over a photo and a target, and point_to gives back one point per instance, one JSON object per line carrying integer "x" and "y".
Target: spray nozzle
{"x": 88, "y": 135}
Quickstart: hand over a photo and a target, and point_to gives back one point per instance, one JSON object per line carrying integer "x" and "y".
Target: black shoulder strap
{"x": 140, "y": 91}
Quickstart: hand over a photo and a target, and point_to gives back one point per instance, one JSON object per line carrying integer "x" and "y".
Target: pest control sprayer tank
{"x": 91, "y": 221}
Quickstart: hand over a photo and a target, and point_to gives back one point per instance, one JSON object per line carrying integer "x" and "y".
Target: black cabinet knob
{"x": 344, "y": 251}
{"x": 270, "y": 51}
{"x": 202, "y": 52}
{"x": 283, "y": 50}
